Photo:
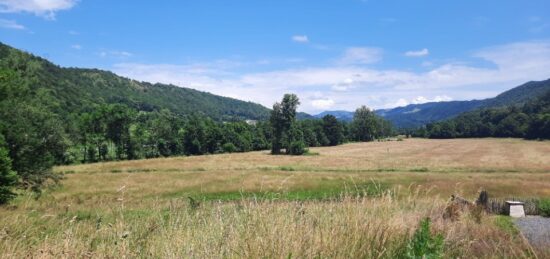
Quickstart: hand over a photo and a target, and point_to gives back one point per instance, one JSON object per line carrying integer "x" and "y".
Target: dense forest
{"x": 46, "y": 119}
{"x": 530, "y": 120}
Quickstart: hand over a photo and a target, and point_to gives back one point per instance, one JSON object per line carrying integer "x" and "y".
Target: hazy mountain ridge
{"x": 415, "y": 115}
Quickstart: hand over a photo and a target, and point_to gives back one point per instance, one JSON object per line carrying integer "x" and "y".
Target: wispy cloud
{"x": 418, "y": 100}
{"x": 417, "y": 53}
{"x": 43, "y": 8}
{"x": 76, "y": 46}
{"x": 115, "y": 53}
{"x": 11, "y": 24}
{"x": 361, "y": 55}
{"x": 537, "y": 24}
{"x": 322, "y": 104}
{"x": 300, "y": 38}
{"x": 349, "y": 86}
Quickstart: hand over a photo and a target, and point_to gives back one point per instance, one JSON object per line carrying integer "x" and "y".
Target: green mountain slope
{"x": 78, "y": 90}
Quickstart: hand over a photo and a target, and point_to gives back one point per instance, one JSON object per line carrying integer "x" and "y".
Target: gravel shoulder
{"x": 536, "y": 229}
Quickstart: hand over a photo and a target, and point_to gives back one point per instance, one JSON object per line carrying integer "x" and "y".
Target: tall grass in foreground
{"x": 345, "y": 227}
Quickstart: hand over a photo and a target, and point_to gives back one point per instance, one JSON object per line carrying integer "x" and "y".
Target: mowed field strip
{"x": 504, "y": 167}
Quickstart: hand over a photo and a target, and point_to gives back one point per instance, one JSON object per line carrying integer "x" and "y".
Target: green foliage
{"x": 543, "y": 206}
{"x": 229, "y": 148}
{"x": 8, "y": 178}
{"x": 333, "y": 130}
{"x": 424, "y": 244}
{"x": 34, "y": 135}
{"x": 297, "y": 148}
{"x": 283, "y": 122}
{"x": 366, "y": 126}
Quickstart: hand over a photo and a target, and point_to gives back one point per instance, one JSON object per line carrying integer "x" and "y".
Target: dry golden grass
{"x": 140, "y": 208}
{"x": 348, "y": 228}
{"x": 505, "y": 167}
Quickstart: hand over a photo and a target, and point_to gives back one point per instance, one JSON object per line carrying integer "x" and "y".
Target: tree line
{"x": 33, "y": 138}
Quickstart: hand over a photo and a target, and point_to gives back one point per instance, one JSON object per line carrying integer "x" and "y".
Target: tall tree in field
{"x": 364, "y": 125}
{"x": 282, "y": 117}
{"x": 333, "y": 130}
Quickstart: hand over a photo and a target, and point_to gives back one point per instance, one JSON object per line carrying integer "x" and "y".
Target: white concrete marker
{"x": 515, "y": 209}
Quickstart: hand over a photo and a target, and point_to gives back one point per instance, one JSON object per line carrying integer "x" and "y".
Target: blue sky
{"x": 333, "y": 54}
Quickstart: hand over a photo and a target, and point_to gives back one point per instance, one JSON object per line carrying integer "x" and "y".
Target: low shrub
{"x": 544, "y": 207}
{"x": 297, "y": 148}
{"x": 229, "y": 148}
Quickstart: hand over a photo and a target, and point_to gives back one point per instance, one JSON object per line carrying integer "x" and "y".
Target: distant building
{"x": 251, "y": 122}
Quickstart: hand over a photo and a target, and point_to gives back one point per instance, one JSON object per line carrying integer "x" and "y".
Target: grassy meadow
{"x": 359, "y": 200}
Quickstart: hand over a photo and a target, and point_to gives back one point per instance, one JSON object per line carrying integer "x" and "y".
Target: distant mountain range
{"x": 415, "y": 115}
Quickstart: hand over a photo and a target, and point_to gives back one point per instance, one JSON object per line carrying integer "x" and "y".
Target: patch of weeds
{"x": 198, "y": 169}
{"x": 386, "y": 170}
{"x": 286, "y": 168}
{"x": 68, "y": 172}
{"x": 115, "y": 171}
{"x": 506, "y": 224}
{"x": 139, "y": 170}
{"x": 79, "y": 215}
{"x": 421, "y": 169}
{"x": 424, "y": 244}
{"x": 309, "y": 153}
{"x": 137, "y": 214}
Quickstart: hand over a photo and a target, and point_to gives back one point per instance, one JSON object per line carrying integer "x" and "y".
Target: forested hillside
{"x": 78, "y": 90}
{"x": 530, "y": 120}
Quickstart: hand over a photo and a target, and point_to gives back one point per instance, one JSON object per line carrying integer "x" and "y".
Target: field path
{"x": 536, "y": 229}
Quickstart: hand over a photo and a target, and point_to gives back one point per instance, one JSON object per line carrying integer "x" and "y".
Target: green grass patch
{"x": 322, "y": 192}
{"x": 421, "y": 169}
{"x": 506, "y": 224}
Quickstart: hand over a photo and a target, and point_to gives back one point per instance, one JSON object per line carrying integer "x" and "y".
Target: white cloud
{"x": 417, "y": 53}
{"x": 345, "y": 85}
{"x": 361, "y": 55}
{"x": 322, "y": 104}
{"x": 300, "y": 38}
{"x": 350, "y": 86}
{"x": 115, "y": 54}
{"x": 44, "y": 8}
{"x": 438, "y": 98}
{"x": 418, "y": 100}
{"x": 76, "y": 46}
{"x": 11, "y": 24}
